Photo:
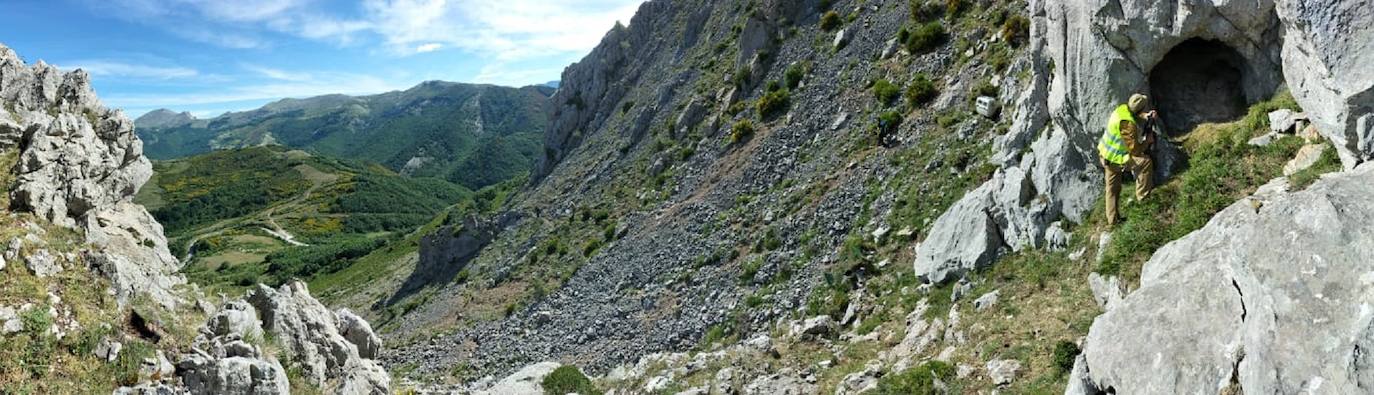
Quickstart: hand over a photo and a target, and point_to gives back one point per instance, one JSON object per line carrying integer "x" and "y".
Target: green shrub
{"x": 743, "y": 130}
{"x": 926, "y": 37}
{"x": 794, "y": 75}
{"x": 749, "y": 269}
{"x": 984, "y": 88}
{"x": 921, "y": 91}
{"x": 629, "y": 104}
{"x": 566, "y": 380}
{"x": 1016, "y": 30}
{"x": 830, "y": 21}
{"x": 953, "y": 8}
{"x": 736, "y": 108}
{"x": 886, "y": 92}
{"x": 773, "y": 103}
{"x": 1065, "y": 352}
{"x": 950, "y": 119}
{"x": 917, "y": 380}
{"x": 743, "y": 75}
{"x": 903, "y": 35}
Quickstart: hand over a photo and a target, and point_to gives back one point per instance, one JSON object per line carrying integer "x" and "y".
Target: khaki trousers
{"x": 1143, "y": 168}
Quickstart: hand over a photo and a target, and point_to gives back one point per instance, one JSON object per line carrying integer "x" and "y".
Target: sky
{"x": 212, "y": 56}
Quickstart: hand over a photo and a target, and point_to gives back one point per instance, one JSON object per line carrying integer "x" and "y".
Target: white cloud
{"x": 109, "y": 68}
{"x": 318, "y": 84}
{"x": 430, "y": 47}
{"x": 508, "y": 29}
{"x": 278, "y": 74}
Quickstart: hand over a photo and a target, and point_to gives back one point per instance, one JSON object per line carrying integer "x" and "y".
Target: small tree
{"x": 886, "y": 92}
{"x": 567, "y": 380}
{"x": 830, "y": 21}
{"x": 921, "y": 91}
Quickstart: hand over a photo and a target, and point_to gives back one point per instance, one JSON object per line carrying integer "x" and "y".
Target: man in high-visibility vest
{"x": 1125, "y": 146}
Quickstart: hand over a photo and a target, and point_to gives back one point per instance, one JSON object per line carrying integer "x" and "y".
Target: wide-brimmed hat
{"x": 1137, "y": 103}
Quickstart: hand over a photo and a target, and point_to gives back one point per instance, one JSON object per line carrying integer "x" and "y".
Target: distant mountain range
{"x": 474, "y": 135}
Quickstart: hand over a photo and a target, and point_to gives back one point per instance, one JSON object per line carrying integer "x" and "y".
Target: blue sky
{"x": 211, "y": 56}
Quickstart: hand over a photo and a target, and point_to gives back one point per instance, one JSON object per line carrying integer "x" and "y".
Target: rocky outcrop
{"x": 227, "y": 359}
{"x": 1271, "y": 296}
{"x": 310, "y": 334}
{"x": 1331, "y": 48}
{"x": 1102, "y": 52}
{"x": 79, "y": 166}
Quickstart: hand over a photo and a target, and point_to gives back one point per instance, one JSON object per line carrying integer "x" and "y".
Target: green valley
{"x": 269, "y": 214}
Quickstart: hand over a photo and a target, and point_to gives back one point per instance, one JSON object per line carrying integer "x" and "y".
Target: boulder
{"x": 1273, "y": 298}
{"x": 42, "y": 263}
{"x": 782, "y": 383}
{"x": 1003, "y": 371}
{"x": 961, "y": 240}
{"x": 309, "y": 332}
{"x": 1281, "y": 121}
{"x": 1106, "y": 290}
{"x": 359, "y": 332}
{"x": 815, "y": 327}
{"x": 234, "y": 375}
{"x": 1330, "y": 48}
{"x": 1307, "y": 156}
{"x": 986, "y": 301}
{"x": 527, "y": 380}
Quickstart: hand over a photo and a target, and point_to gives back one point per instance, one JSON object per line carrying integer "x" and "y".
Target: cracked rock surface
{"x": 1274, "y": 300}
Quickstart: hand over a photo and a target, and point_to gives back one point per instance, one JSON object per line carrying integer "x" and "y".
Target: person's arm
{"x": 1128, "y": 136}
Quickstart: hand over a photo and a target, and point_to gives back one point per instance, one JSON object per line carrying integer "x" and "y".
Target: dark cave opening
{"x": 1199, "y": 81}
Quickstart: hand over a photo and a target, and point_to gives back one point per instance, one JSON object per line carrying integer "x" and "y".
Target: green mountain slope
{"x": 272, "y": 213}
{"x": 474, "y": 135}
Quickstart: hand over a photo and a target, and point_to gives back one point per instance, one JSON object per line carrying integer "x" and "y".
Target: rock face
{"x": 310, "y": 333}
{"x": 1274, "y": 300}
{"x": 1331, "y": 48}
{"x": 1104, "y": 51}
{"x": 79, "y": 166}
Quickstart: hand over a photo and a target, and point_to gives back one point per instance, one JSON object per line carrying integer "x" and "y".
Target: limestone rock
{"x": 79, "y": 167}
{"x": 962, "y": 239}
{"x": 309, "y": 333}
{"x": 782, "y": 383}
{"x": 42, "y": 263}
{"x": 234, "y": 375}
{"x": 132, "y": 252}
{"x": 1003, "y": 371}
{"x": 1307, "y": 156}
{"x": 359, "y": 332}
{"x": 986, "y": 301}
{"x": 815, "y": 327}
{"x": 1259, "y": 296}
{"x": 1330, "y": 48}
{"x": 528, "y": 380}
{"x": 1281, "y": 121}
{"x": 1106, "y": 290}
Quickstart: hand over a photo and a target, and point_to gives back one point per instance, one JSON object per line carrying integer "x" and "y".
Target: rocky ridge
{"x": 79, "y": 166}
{"x": 76, "y": 166}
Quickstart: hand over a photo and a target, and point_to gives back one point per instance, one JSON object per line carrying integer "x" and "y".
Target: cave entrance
{"x": 1199, "y": 81}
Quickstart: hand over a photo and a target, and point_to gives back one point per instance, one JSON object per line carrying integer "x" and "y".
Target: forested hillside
{"x": 474, "y": 135}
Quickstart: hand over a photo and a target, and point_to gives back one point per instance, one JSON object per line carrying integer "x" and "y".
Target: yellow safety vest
{"x": 1113, "y": 146}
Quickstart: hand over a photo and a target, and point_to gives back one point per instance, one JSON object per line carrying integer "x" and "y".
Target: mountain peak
{"x": 164, "y": 118}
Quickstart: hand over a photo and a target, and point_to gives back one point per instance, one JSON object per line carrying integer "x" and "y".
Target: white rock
{"x": 527, "y": 380}
{"x": 1281, "y": 121}
{"x": 1307, "y": 156}
{"x": 986, "y": 301}
{"x": 1003, "y": 371}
